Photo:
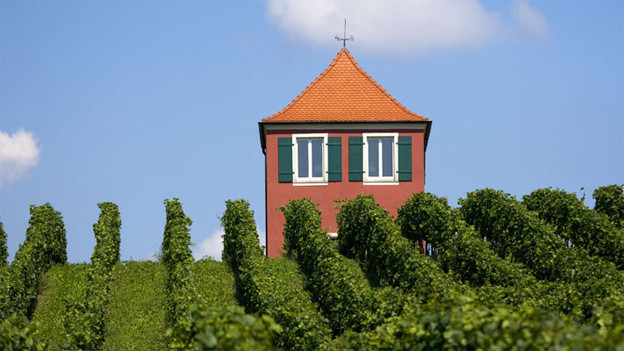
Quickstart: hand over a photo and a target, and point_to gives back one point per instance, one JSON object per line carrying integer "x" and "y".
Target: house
{"x": 342, "y": 136}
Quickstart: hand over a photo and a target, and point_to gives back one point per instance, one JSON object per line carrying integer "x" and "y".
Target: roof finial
{"x": 344, "y": 37}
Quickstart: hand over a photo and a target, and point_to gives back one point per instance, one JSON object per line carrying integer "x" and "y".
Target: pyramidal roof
{"x": 344, "y": 93}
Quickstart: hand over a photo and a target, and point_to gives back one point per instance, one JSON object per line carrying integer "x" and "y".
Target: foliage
{"x": 272, "y": 287}
{"x": 213, "y": 283}
{"x": 459, "y": 248}
{"x": 84, "y": 320}
{"x": 4, "y": 253}
{"x": 610, "y": 202}
{"x": 575, "y": 222}
{"x": 135, "y": 317}
{"x": 519, "y": 234}
{"x": 178, "y": 260}
{"x": 515, "y": 232}
{"x": 44, "y": 245}
{"x": 459, "y": 323}
{"x": 17, "y": 334}
{"x": 367, "y": 234}
{"x": 60, "y": 283}
{"x": 225, "y": 328}
{"x": 336, "y": 282}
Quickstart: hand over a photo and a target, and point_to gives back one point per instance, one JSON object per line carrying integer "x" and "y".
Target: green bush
{"x": 84, "y": 319}
{"x": 458, "y": 247}
{"x": 519, "y": 234}
{"x": 575, "y": 222}
{"x": 17, "y": 334}
{"x": 225, "y": 328}
{"x": 515, "y": 232}
{"x": 178, "y": 260}
{"x": 4, "y": 253}
{"x": 367, "y": 234}
{"x": 60, "y": 283}
{"x": 213, "y": 283}
{"x": 135, "y": 316}
{"x": 610, "y": 202}
{"x": 271, "y": 287}
{"x": 44, "y": 245}
{"x": 336, "y": 282}
{"x": 459, "y": 323}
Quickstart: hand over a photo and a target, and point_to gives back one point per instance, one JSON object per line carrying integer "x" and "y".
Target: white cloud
{"x": 210, "y": 246}
{"x": 401, "y": 26}
{"x": 18, "y": 154}
{"x": 529, "y": 18}
{"x": 213, "y": 245}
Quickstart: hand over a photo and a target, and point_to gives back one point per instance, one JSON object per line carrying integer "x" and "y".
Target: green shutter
{"x": 405, "y": 158}
{"x": 356, "y": 159}
{"x": 334, "y": 159}
{"x": 284, "y": 160}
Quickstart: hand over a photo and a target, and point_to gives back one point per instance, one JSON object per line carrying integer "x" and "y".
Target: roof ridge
{"x": 323, "y": 89}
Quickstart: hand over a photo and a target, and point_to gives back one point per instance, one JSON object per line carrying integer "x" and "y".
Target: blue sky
{"x": 134, "y": 102}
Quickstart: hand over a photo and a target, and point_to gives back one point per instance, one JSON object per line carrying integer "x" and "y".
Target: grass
{"x": 135, "y": 319}
{"x": 214, "y": 283}
{"x": 61, "y": 282}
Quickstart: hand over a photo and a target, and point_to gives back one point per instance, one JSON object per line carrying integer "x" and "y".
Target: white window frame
{"x": 310, "y": 181}
{"x": 381, "y": 180}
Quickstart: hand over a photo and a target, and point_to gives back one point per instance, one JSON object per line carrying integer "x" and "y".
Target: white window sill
{"x": 309, "y": 183}
{"x": 380, "y": 182}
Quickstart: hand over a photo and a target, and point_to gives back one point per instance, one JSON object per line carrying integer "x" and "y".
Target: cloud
{"x": 401, "y": 26}
{"x": 210, "y": 246}
{"x": 529, "y": 18}
{"x": 213, "y": 245}
{"x": 18, "y": 154}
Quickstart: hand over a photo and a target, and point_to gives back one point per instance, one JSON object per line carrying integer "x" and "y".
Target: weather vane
{"x": 344, "y": 38}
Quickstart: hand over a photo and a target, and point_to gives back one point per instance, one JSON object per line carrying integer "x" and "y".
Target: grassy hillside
{"x": 135, "y": 317}
{"x": 61, "y": 282}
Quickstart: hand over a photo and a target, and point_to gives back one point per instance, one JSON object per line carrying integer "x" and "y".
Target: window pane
{"x": 386, "y": 146}
{"x": 373, "y": 157}
{"x": 317, "y": 157}
{"x": 302, "y": 158}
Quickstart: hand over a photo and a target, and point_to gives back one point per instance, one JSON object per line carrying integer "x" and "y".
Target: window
{"x": 310, "y": 158}
{"x": 380, "y": 157}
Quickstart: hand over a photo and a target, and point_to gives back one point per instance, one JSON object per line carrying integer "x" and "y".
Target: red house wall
{"x": 388, "y": 196}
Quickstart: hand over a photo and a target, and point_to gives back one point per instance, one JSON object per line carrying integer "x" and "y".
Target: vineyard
{"x": 496, "y": 273}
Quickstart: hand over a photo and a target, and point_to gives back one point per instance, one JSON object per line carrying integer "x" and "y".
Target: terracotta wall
{"x": 278, "y": 194}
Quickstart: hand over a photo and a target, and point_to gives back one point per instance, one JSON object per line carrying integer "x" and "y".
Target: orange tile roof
{"x": 344, "y": 93}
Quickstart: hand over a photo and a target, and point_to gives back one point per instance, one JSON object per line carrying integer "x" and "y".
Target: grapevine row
{"x": 583, "y": 227}
{"x": 367, "y": 234}
{"x": 336, "y": 282}
{"x": 193, "y": 326}
{"x": 269, "y": 286}
{"x": 84, "y": 319}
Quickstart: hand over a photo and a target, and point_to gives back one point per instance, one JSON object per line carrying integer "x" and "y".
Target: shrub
{"x": 458, "y": 247}
{"x": 575, "y": 222}
{"x": 4, "y": 253}
{"x": 459, "y": 323}
{"x": 367, "y": 234}
{"x": 178, "y": 260}
{"x": 44, "y": 245}
{"x": 17, "y": 334}
{"x": 515, "y": 232}
{"x": 272, "y": 287}
{"x": 610, "y": 202}
{"x": 336, "y": 282}
{"x": 225, "y": 328}
{"x": 84, "y": 320}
